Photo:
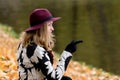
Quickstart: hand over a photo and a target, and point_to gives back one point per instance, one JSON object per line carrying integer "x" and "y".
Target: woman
{"x": 35, "y": 54}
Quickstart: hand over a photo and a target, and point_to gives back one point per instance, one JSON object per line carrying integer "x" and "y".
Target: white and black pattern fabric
{"x": 34, "y": 63}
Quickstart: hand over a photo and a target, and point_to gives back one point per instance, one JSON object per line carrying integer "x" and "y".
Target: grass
{"x": 9, "y": 30}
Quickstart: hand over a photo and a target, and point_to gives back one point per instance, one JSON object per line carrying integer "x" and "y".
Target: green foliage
{"x": 9, "y": 30}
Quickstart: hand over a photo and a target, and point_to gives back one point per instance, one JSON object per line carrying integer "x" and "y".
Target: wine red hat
{"x": 38, "y": 17}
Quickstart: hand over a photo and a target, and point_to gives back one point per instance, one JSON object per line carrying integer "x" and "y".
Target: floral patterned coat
{"x": 34, "y": 63}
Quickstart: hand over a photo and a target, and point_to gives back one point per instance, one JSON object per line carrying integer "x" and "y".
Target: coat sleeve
{"x": 42, "y": 59}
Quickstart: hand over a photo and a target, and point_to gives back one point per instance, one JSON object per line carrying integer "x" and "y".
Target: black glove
{"x": 71, "y": 47}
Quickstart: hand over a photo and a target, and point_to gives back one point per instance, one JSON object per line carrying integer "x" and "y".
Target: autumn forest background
{"x": 96, "y": 22}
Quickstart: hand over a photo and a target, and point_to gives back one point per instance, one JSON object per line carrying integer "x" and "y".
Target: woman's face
{"x": 50, "y": 26}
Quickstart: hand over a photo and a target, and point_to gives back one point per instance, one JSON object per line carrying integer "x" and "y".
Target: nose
{"x": 52, "y": 28}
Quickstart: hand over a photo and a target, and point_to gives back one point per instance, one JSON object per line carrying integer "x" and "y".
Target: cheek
{"x": 49, "y": 29}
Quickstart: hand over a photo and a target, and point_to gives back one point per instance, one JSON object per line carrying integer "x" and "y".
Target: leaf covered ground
{"x": 77, "y": 71}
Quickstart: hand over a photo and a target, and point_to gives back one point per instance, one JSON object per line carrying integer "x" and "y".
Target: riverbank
{"x": 77, "y": 71}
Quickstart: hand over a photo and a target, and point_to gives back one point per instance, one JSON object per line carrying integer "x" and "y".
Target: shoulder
{"x": 40, "y": 48}
{"x": 38, "y": 54}
{"x": 40, "y": 51}
{"x": 33, "y": 49}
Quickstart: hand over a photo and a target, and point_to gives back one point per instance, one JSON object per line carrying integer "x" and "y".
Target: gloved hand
{"x": 71, "y": 47}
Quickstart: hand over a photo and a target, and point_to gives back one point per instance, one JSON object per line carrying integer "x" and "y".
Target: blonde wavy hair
{"x": 40, "y": 37}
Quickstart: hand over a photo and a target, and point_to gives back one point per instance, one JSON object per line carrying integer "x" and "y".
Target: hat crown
{"x": 39, "y": 16}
